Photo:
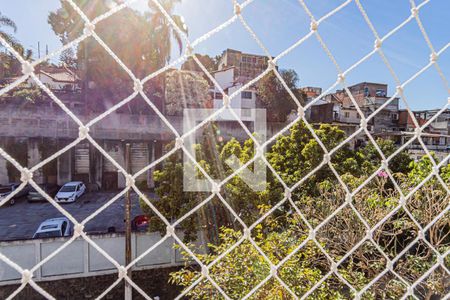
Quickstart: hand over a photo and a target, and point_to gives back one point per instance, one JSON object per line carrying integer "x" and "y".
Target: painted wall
{"x": 81, "y": 259}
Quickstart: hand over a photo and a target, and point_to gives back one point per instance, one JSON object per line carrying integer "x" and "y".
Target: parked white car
{"x": 70, "y": 192}
{"x": 56, "y": 227}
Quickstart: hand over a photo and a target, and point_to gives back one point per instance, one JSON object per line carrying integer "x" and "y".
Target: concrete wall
{"x": 80, "y": 259}
{"x": 51, "y": 123}
{"x": 34, "y": 157}
{"x": 224, "y": 78}
{"x": 4, "y": 179}
{"x": 54, "y": 123}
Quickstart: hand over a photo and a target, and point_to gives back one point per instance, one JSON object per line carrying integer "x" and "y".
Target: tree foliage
{"x": 185, "y": 89}
{"x": 102, "y": 69}
{"x": 68, "y": 58}
{"x": 103, "y": 78}
{"x": 210, "y": 63}
{"x": 276, "y": 98}
{"x": 6, "y": 23}
{"x": 9, "y": 65}
{"x": 293, "y": 156}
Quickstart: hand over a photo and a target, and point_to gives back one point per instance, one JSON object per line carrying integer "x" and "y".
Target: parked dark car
{"x": 140, "y": 223}
{"x": 35, "y": 196}
{"x": 5, "y": 190}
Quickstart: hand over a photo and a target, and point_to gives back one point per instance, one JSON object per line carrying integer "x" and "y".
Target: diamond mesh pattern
{"x": 89, "y": 31}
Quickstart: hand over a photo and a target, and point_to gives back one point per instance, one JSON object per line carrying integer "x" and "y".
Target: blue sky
{"x": 280, "y": 23}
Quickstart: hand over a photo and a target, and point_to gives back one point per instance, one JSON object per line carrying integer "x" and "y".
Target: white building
{"x": 57, "y": 79}
{"x": 241, "y": 103}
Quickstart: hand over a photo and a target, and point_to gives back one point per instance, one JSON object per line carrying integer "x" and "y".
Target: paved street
{"x": 21, "y": 220}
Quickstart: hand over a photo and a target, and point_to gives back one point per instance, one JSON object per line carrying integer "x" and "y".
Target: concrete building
{"x": 32, "y": 133}
{"x": 435, "y": 136}
{"x": 242, "y": 102}
{"x": 311, "y": 92}
{"x": 369, "y": 97}
{"x": 247, "y": 66}
{"x": 338, "y": 109}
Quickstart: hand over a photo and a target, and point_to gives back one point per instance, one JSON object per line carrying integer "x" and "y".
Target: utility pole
{"x": 128, "y": 290}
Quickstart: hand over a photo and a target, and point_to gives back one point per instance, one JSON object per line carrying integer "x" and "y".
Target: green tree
{"x": 173, "y": 201}
{"x": 293, "y": 156}
{"x": 9, "y": 65}
{"x": 68, "y": 58}
{"x": 31, "y": 94}
{"x": 191, "y": 65}
{"x": 124, "y": 28}
{"x": 162, "y": 31}
{"x": 141, "y": 41}
{"x": 243, "y": 268}
{"x": 6, "y": 23}
{"x": 276, "y": 98}
{"x": 278, "y": 235}
{"x": 296, "y": 154}
{"x": 400, "y": 163}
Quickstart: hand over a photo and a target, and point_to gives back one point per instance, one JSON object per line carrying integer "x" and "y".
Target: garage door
{"x": 113, "y": 150}
{"x": 82, "y": 163}
{"x": 109, "y": 177}
{"x": 139, "y": 159}
{"x": 82, "y": 158}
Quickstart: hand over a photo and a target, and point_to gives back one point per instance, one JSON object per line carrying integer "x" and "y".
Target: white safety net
{"x": 314, "y": 33}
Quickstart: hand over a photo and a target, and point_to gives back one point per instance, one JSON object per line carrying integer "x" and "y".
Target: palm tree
{"x": 6, "y": 22}
{"x": 161, "y": 37}
{"x": 8, "y": 64}
{"x": 163, "y": 32}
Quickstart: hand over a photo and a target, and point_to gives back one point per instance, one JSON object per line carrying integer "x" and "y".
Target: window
{"x": 394, "y": 116}
{"x": 380, "y": 93}
{"x": 358, "y": 116}
{"x": 63, "y": 228}
{"x": 366, "y": 91}
{"x": 346, "y": 114}
{"x": 246, "y": 95}
{"x": 46, "y": 227}
{"x": 68, "y": 188}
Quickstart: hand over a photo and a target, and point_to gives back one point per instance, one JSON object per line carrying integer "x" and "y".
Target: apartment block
{"x": 247, "y": 66}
